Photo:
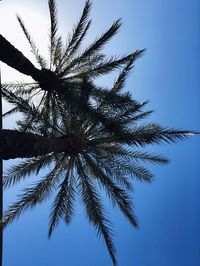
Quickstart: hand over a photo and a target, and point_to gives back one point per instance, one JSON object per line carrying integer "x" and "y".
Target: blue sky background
{"x": 167, "y": 75}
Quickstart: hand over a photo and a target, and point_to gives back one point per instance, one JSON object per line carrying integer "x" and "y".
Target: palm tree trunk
{"x": 1, "y": 184}
{"x": 16, "y": 144}
{"x": 15, "y": 59}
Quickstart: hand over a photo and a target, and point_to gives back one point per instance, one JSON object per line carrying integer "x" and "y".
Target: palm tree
{"x": 70, "y": 72}
{"x": 88, "y": 135}
{"x": 15, "y": 59}
{"x": 97, "y": 159}
{"x": 67, "y": 75}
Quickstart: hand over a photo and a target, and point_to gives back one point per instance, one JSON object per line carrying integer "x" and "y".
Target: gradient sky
{"x": 167, "y": 75}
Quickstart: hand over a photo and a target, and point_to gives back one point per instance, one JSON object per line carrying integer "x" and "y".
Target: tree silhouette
{"x": 89, "y": 137}
{"x": 70, "y": 70}
{"x": 85, "y": 158}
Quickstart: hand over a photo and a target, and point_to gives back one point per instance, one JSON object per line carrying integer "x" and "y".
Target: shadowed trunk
{"x": 16, "y": 144}
{"x": 15, "y": 59}
{"x": 48, "y": 80}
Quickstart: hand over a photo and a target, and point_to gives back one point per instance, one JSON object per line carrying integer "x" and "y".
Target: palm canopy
{"x": 105, "y": 124}
{"x": 70, "y": 71}
{"x": 99, "y": 159}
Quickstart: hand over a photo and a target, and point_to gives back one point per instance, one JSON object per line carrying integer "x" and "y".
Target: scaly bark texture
{"x": 16, "y": 144}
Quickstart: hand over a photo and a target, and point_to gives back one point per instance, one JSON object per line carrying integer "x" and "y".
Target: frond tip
{"x": 94, "y": 210}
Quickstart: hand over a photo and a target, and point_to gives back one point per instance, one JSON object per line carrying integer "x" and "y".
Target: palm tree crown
{"x": 104, "y": 125}
{"x": 98, "y": 159}
{"x": 70, "y": 72}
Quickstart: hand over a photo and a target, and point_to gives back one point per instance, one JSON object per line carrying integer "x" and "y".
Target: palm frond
{"x": 57, "y": 55}
{"x": 153, "y": 133}
{"x": 10, "y": 112}
{"x": 25, "y": 90}
{"x": 120, "y": 82}
{"x": 94, "y": 47}
{"x": 136, "y": 118}
{"x": 134, "y": 170}
{"x": 71, "y": 53}
{"x": 116, "y": 175}
{"x": 33, "y": 195}
{"x": 94, "y": 210}
{"x": 53, "y": 28}
{"x": 78, "y": 34}
{"x": 148, "y": 157}
{"x": 135, "y": 155}
{"x": 63, "y": 203}
{"x": 115, "y": 193}
{"x": 98, "y": 44}
{"x": 40, "y": 60}
{"x": 18, "y": 172}
{"x": 145, "y": 134}
{"x": 106, "y": 66}
{"x": 25, "y": 107}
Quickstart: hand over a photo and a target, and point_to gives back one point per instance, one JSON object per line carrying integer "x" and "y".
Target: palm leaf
{"x": 78, "y": 34}
{"x": 53, "y": 28}
{"x": 116, "y": 194}
{"x": 153, "y": 133}
{"x": 94, "y": 211}
{"x": 33, "y": 195}
{"x": 145, "y": 134}
{"x": 40, "y": 60}
{"x": 105, "y": 67}
{"x": 18, "y": 172}
{"x": 57, "y": 55}
{"x": 94, "y": 47}
{"x": 120, "y": 82}
{"x": 63, "y": 203}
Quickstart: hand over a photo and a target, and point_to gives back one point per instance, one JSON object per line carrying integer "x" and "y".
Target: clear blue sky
{"x": 168, "y": 209}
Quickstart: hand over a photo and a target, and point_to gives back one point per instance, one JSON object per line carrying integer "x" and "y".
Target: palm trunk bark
{"x": 16, "y": 144}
